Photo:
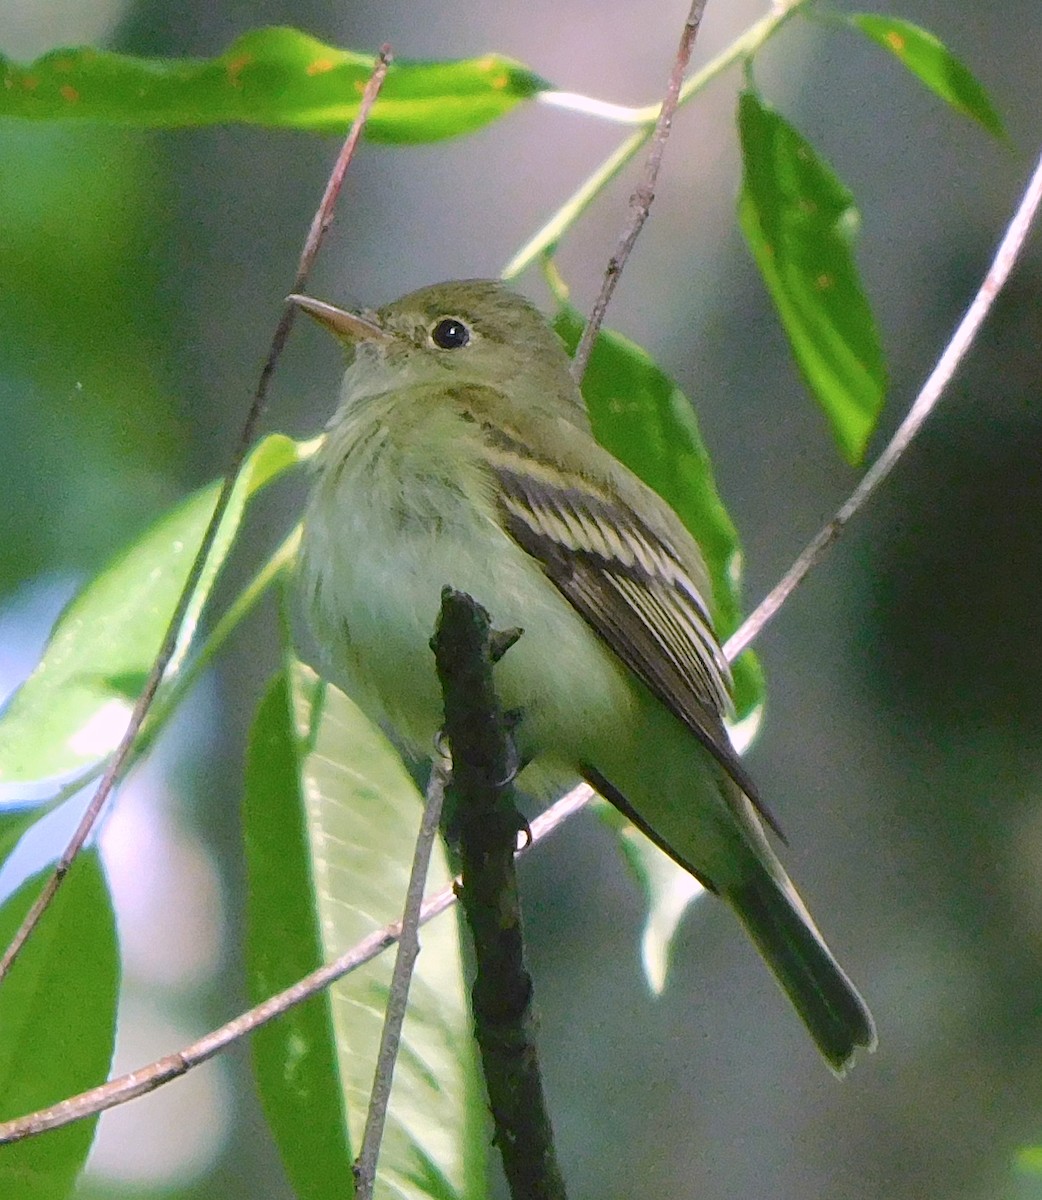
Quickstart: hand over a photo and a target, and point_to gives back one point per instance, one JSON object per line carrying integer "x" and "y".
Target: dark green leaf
{"x": 799, "y": 221}
{"x": 328, "y": 874}
{"x": 933, "y": 64}
{"x": 642, "y": 417}
{"x": 276, "y": 77}
{"x": 74, "y": 707}
{"x": 57, "y": 1025}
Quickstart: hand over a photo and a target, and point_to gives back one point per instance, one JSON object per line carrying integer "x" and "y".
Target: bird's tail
{"x": 821, "y": 993}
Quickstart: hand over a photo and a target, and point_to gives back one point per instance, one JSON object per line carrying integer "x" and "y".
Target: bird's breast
{"x": 385, "y": 531}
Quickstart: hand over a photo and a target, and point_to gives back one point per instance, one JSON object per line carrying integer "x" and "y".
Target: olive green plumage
{"x": 461, "y": 455}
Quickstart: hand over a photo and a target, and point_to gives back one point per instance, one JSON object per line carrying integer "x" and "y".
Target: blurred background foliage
{"x": 140, "y": 277}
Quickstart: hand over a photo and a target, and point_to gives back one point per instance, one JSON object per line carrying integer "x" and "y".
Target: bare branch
{"x": 745, "y": 46}
{"x": 486, "y": 823}
{"x": 146, "y": 1079}
{"x": 167, "y": 650}
{"x": 640, "y": 201}
{"x": 401, "y": 978}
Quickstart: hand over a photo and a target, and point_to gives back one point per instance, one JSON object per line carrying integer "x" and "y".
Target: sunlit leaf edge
{"x": 294, "y": 1057}
{"x": 36, "y": 743}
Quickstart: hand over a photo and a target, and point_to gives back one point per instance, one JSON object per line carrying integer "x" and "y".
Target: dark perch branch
{"x": 487, "y": 824}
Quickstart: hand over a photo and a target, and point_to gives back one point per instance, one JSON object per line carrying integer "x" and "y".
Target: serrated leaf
{"x": 668, "y": 892}
{"x": 933, "y": 64}
{"x": 74, "y": 707}
{"x": 799, "y": 221}
{"x": 643, "y": 418}
{"x": 277, "y": 77}
{"x": 57, "y": 1024}
{"x": 351, "y": 848}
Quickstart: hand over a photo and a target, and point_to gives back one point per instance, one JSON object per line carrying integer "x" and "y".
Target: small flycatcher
{"x": 461, "y": 455}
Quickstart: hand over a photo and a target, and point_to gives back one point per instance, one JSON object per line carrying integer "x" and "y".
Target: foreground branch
{"x": 172, "y": 1066}
{"x": 487, "y": 824}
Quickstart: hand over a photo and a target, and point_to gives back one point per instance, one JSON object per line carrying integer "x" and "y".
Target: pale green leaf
{"x": 354, "y": 846}
{"x": 74, "y": 707}
{"x": 668, "y": 891}
{"x": 933, "y": 64}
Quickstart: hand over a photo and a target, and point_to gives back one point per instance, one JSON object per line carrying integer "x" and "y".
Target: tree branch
{"x": 545, "y": 240}
{"x": 155, "y": 1074}
{"x": 487, "y": 824}
{"x": 398, "y": 995}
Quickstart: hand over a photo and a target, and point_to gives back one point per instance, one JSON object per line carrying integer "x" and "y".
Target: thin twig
{"x": 932, "y": 391}
{"x": 640, "y": 201}
{"x": 167, "y": 650}
{"x": 401, "y": 978}
{"x": 546, "y": 238}
{"x": 148, "y": 1078}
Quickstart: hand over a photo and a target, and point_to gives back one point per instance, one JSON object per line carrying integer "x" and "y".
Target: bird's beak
{"x": 347, "y": 326}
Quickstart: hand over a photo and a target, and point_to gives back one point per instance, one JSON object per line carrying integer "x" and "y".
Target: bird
{"x": 460, "y": 454}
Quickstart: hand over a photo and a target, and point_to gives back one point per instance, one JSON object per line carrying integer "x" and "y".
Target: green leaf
{"x": 799, "y": 221}
{"x": 73, "y": 709}
{"x": 668, "y": 891}
{"x": 294, "y": 1057}
{"x": 14, "y": 822}
{"x": 931, "y": 62}
{"x": 277, "y": 77}
{"x": 57, "y": 1024}
{"x": 1029, "y": 1160}
{"x": 642, "y": 417}
{"x": 331, "y": 820}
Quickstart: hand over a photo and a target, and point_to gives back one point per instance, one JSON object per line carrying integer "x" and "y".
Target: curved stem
{"x": 545, "y": 240}
{"x": 644, "y": 193}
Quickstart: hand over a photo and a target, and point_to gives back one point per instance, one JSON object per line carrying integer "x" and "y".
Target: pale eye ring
{"x": 449, "y": 333}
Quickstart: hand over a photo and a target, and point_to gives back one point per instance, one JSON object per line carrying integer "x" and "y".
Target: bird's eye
{"x": 450, "y": 333}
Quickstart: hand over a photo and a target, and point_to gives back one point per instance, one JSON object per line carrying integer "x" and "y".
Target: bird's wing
{"x": 632, "y": 587}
